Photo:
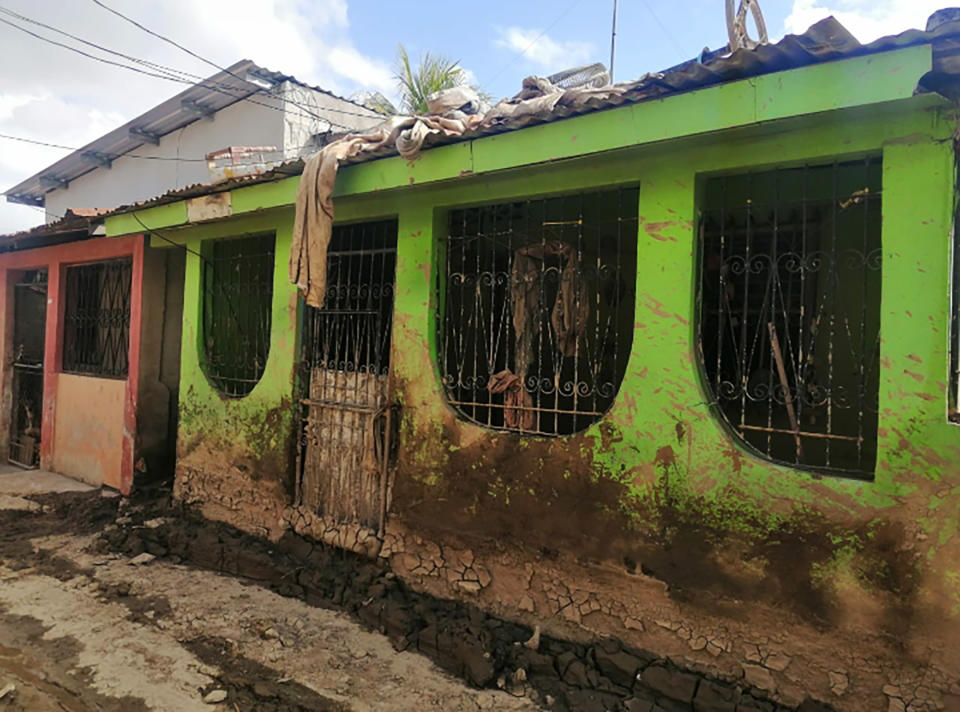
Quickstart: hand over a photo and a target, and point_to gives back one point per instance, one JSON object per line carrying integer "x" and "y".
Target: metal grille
{"x": 29, "y": 337}
{"x": 789, "y": 311}
{"x": 535, "y": 317}
{"x": 347, "y": 420}
{"x": 96, "y": 337}
{"x": 237, "y": 305}
{"x": 351, "y": 332}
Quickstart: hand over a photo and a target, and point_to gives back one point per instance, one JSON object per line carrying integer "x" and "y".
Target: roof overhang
{"x": 199, "y": 102}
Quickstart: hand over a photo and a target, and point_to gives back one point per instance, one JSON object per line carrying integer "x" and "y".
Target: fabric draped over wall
{"x": 453, "y": 112}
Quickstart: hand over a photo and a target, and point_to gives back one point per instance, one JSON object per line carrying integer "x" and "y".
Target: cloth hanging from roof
{"x": 313, "y": 224}
{"x": 453, "y": 112}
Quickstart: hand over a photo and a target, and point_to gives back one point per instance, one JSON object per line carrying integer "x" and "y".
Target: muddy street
{"x": 82, "y": 628}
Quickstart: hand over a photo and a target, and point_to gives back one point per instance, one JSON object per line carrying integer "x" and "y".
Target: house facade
{"x": 91, "y": 331}
{"x": 676, "y": 371}
{"x": 92, "y": 324}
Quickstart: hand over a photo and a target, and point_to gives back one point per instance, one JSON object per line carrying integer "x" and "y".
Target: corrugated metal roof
{"x": 208, "y": 96}
{"x": 825, "y": 41}
{"x": 77, "y": 223}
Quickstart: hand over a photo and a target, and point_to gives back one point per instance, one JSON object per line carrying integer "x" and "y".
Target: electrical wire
{"x": 663, "y": 27}
{"x": 152, "y": 65}
{"x": 204, "y": 59}
{"x": 124, "y": 155}
{"x": 536, "y": 39}
{"x": 222, "y": 89}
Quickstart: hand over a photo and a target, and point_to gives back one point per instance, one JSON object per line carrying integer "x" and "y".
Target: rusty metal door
{"x": 347, "y": 419}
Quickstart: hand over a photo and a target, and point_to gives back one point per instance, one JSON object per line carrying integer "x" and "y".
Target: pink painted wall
{"x": 88, "y": 440}
{"x": 74, "y": 425}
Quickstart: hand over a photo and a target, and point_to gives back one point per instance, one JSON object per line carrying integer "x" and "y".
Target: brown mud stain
{"x": 544, "y": 494}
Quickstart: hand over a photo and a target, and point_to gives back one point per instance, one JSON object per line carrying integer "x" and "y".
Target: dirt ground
{"x": 82, "y": 630}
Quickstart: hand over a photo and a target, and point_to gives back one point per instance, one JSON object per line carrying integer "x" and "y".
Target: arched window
{"x": 535, "y": 318}
{"x": 789, "y": 311}
{"x": 237, "y": 303}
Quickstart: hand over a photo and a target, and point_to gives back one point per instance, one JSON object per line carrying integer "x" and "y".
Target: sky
{"x": 50, "y": 94}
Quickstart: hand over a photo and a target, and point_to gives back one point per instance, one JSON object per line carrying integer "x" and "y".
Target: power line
{"x": 166, "y": 75}
{"x": 204, "y": 59}
{"x": 123, "y": 155}
{"x": 663, "y": 27}
{"x": 165, "y": 39}
{"x": 160, "y": 67}
{"x": 533, "y": 41}
{"x": 184, "y": 49}
{"x": 86, "y": 54}
{"x": 178, "y": 159}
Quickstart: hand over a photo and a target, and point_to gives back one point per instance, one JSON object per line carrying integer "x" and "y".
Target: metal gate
{"x": 29, "y": 332}
{"x": 347, "y": 419}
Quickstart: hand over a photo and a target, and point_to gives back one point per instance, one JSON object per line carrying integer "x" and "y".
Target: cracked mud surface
{"x": 81, "y": 630}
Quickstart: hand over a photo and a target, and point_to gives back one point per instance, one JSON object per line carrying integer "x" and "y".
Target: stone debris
{"x": 141, "y": 559}
{"x": 534, "y": 642}
{"x": 838, "y": 683}
{"x": 215, "y": 697}
{"x": 459, "y": 637}
{"x": 7, "y": 689}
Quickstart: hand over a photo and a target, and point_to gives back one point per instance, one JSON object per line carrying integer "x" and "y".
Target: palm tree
{"x": 434, "y": 73}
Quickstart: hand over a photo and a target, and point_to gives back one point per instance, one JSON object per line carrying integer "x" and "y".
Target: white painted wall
{"x": 129, "y": 180}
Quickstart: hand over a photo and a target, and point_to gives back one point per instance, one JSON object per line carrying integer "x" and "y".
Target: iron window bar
{"x": 96, "y": 331}
{"x": 788, "y": 311}
{"x": 237, "y": 309}
{"x": 535, "y": 309}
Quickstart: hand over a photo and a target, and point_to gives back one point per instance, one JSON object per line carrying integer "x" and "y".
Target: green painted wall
{"x": 253, "y": 432}
{"x": 658, "y": 480}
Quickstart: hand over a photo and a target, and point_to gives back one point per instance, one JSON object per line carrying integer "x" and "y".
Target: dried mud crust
{"x": 104, "y": 631}
{"x": 483, "y": 650}
{"x": 251, "y": 686}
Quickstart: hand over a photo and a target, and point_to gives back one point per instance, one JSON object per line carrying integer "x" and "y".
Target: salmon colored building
{"x": 89, "y": 387}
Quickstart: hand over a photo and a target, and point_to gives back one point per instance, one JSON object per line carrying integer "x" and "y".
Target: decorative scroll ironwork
{"x": 789, "y": 311}
{"x": 347, "y": 427}
{"x": 96, "y": 333}
{"x": 237, "y": 306}
{"x": 535, "y": 317}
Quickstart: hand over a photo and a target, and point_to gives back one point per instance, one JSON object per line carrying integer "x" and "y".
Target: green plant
{"x": 434, "y": 72}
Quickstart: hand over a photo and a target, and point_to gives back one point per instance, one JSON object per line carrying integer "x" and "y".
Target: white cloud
{"x": 50, "y": 94}
{"x": 866, "y": 19}
{"x": 367, "y": 72}
{"x": 539, "y": 48}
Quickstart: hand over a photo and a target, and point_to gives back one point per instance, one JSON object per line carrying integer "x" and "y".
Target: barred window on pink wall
{"x": 789, "y": 311}
{"x": 96, "y": 319}
{"x": 535, "y": 309}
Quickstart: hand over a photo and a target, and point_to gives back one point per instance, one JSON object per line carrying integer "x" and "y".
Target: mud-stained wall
{"x": 235, "y": 444}
{"x": 154, "y": 433}
{"x": 654, "y": 526}
{"x": 88, "y": 437}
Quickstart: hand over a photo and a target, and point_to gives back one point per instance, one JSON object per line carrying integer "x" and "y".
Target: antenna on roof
{"x": 613, "y": 40}
{"x": 737, "y": 25}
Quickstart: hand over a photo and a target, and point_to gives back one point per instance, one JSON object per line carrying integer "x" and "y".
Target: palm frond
{"x": 434, "y": 72}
